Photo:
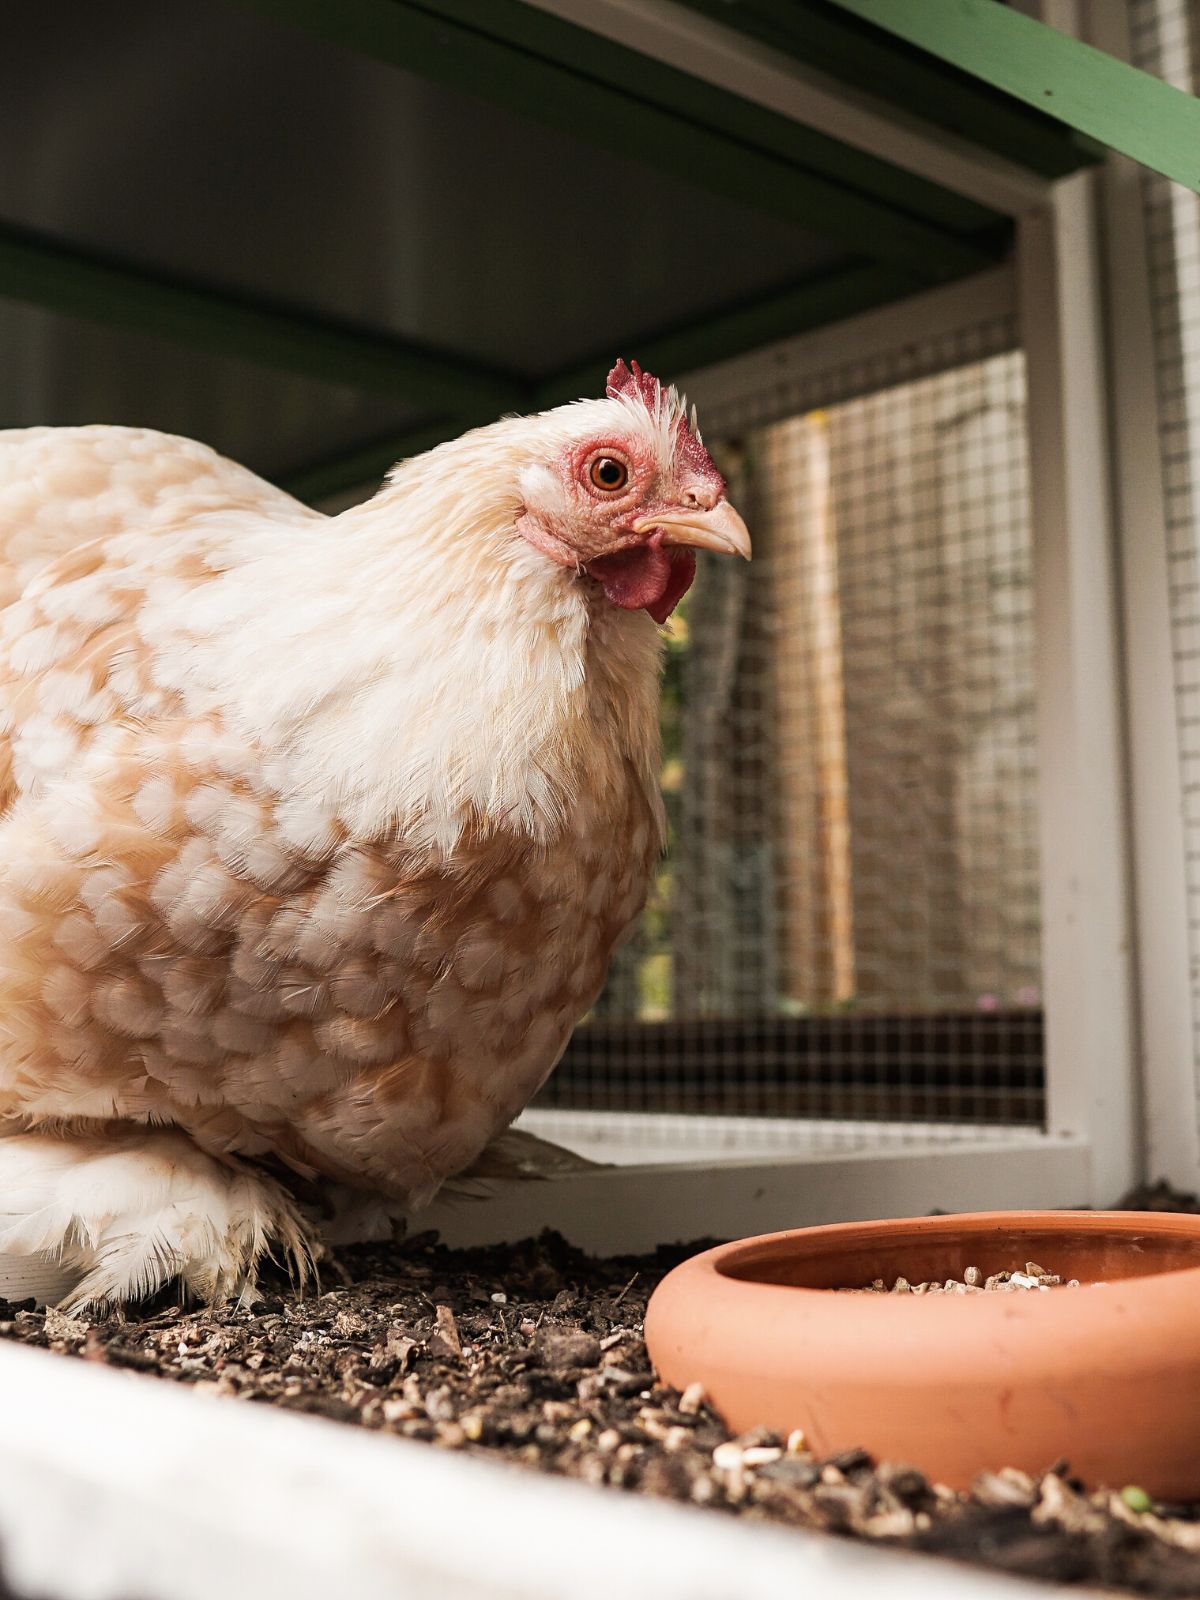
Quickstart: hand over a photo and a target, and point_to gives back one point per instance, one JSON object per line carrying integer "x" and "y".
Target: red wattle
{"x": 645, "y": 578}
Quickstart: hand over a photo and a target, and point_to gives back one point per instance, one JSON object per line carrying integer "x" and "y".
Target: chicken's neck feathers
{"x": 414, "y": 664}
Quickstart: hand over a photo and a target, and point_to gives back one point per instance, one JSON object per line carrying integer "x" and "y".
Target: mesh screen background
{"x": 846, "y": 927}
{"x": 1165, "y": 37}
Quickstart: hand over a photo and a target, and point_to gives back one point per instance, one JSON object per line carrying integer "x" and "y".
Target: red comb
{"x": 630, "y": 382}
{"x": 635, "y": 384}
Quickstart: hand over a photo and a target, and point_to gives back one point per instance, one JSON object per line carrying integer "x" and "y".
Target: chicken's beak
{"x": 719, "y": 528}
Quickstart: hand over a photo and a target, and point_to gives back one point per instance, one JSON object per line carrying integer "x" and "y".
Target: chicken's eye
{"x": 609, "y": 474}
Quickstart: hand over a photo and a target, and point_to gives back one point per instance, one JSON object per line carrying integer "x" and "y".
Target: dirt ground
{"x": 532, "y": 1353}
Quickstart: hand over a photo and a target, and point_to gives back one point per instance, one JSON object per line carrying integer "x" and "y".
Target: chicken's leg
{"x": 100, "y": 1219}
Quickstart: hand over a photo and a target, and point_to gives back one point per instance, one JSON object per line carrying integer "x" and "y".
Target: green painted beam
{"x": 820, "y": 34}
{"x": 1130, "y": 111}
{"x": 59, "y": 277}
{"x": 740, "y": 328}
{"x": 668, "y": 353}
{"x": 369, "y": 463}
{"x": 585, "y": 91}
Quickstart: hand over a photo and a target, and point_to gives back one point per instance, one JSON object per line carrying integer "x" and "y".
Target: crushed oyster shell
{"x": 973, "y": 1282}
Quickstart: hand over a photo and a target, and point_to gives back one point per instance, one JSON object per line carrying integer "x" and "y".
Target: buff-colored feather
{"x": 317, "y": 833}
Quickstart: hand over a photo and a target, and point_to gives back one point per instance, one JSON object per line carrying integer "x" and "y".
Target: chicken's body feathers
{"x": 316, "y": 834}
{"x": 232, "y": 902}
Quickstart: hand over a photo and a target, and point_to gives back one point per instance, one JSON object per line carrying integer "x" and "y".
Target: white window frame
{"x": 114, "y": 1485}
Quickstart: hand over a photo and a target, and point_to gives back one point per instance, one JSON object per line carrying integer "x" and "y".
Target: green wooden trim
{"x": 740, "y": 328}
{"x": 1130, "y": 111}
{"x": 370, "y": 462}
{"x": 57, "y": 276}
{"x": 669, "y": 353}
{"x": 817, "y": 33}
{"x": 425, "y": 38}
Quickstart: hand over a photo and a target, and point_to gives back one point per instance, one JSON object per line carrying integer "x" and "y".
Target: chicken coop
{"x": 926, "y": 930}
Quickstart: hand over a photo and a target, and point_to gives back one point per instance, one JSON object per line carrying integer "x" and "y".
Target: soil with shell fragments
{"x": 533, "y": 1354}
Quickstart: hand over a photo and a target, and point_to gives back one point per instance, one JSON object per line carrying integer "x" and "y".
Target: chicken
{"x": 318, "y": 834}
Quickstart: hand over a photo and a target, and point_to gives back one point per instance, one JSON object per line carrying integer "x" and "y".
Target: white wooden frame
{"x": 1087, "y": 970}
{"x": 1166, "y": 1039}
{"x": 116, "y": 1485}
{"x": 633, "y": 1209}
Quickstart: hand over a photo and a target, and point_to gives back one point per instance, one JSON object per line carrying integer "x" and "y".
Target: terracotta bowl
{"x": 1107, "y": 1375}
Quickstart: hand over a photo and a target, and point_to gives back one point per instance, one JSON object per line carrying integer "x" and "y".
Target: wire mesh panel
{"x": 846, "y": 926}
{"x": 1165, "y": 36}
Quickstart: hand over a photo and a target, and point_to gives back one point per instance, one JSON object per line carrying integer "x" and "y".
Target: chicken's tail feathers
{"x": 515, "y": 1156}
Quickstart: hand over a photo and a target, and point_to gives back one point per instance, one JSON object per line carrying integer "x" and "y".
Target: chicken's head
{"x": 626, "y": 493}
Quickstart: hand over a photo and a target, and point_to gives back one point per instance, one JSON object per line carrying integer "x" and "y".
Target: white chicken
{"x": 318, "y": 834}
